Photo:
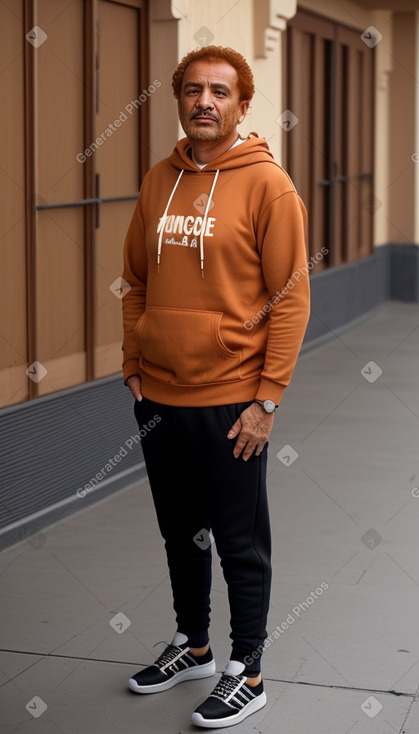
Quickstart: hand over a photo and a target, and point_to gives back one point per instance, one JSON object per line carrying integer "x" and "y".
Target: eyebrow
{"x": 215, "y": 85}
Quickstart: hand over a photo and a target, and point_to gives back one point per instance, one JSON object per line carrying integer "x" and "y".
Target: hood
{"x": 253, "y": 150}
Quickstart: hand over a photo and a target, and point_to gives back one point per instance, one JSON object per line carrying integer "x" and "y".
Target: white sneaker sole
{"x": 249, "y": 709}
{"x": 195, "y": 673}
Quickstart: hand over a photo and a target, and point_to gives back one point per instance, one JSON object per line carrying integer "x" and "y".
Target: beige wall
{"x": 382, "y": 143}
{"x": 349, "y": 13}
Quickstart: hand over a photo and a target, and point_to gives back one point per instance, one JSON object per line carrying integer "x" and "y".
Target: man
{"x": 213, "y": 323}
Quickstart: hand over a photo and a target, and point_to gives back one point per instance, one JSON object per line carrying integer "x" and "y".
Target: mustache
{"x": 204, "y": 113}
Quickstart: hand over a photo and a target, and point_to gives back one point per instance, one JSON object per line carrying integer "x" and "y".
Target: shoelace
{"x": 226, "y": 685}
{"x": 167, "y": 655}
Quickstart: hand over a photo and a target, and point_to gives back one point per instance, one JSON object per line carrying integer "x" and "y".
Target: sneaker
{"x": 231, "y": 701}
{"x": 173, "y": 666}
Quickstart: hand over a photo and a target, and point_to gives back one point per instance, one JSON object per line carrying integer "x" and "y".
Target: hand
{"x": 253, "y": 428}
{"x": 134, "y": 384}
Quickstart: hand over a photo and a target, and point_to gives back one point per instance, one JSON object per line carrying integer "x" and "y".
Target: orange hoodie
{"x": 219, "y": 293}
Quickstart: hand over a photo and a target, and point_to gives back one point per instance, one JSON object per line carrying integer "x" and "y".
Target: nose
{"x": 204, "y": 101}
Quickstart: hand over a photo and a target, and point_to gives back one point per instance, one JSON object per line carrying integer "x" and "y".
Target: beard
{"x": 198, "y": 133}
{"x": 202, "y": 132}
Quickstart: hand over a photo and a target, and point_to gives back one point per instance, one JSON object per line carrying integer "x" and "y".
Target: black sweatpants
{"x": 198, "y": 486}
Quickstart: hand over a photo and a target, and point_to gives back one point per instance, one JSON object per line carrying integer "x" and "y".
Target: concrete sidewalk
{"x": 84, "y": 602}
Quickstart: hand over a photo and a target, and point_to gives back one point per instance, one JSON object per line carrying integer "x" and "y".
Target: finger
{"x": 134, "y": 384}
{"x": 237, "y": 450}
{"x": 248, "y": 447}
{"x": 239, "y": 446}
{"x": 257, "y": 448}
{"x": 247, "y": 453}
{"x": 235, "y": 429}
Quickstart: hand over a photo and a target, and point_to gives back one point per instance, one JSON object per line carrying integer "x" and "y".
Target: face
{"x": 209, "y": 105}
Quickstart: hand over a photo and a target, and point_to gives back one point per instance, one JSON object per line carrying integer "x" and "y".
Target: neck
{"x": 205, "y": 151}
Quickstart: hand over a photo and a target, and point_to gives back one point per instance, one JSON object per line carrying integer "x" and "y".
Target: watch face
{"x": 269, "y": 406}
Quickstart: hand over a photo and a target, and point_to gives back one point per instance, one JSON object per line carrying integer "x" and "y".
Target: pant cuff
{"x": 251, "y": 661}
{"x": 196, "y": 639}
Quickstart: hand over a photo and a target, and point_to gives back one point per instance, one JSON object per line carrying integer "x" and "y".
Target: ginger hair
{"x": 217, "y": 53}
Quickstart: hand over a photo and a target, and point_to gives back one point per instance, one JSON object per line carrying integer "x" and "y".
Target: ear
{"x": 244, "y": 106}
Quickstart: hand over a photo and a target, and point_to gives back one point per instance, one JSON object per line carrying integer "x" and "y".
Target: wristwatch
{"x": 267, "y": 405}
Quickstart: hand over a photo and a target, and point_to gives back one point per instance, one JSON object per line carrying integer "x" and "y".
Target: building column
{"x": 164, "y": 17}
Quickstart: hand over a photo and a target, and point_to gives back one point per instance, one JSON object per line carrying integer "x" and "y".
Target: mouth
{"x": 204, "y": 117}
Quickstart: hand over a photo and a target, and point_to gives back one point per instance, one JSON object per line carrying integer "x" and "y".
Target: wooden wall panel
{"x": 60, "y": 282}
{"x": 13, "y": 328}
{"x": 117, "y": 162}
{"x": 85, "y": 69}
{"x": 59, "y": 107}
{"x": 330, "y": 153}
{"x": 60, "y": 179}
{"x": 308, "y": 143}
{"x": 114, "y": 219}
{"x": 369, "y": 203}
{"x": 317, "y": 203}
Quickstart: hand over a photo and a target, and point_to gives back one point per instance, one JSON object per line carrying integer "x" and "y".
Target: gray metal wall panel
{"x": 404, "y": 268}
{"x": 53, "y": 446}
{"x": 343, "y": 294}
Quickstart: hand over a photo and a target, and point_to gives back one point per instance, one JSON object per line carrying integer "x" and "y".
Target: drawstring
{"x": 204, "y": 223}
{"x": 163, "y": 220}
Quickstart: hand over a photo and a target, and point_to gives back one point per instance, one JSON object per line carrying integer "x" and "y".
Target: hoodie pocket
{"x": 185, "y": 347}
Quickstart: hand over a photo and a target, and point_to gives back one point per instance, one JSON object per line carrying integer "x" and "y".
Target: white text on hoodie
{"x": 177, "y": 224}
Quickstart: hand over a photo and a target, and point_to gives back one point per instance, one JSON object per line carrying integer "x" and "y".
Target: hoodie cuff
{"x": 130, "y": 368}
{"x": 269, "y": 390}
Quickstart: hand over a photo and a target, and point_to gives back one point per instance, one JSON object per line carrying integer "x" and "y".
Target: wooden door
{"x": 329, "y": 152}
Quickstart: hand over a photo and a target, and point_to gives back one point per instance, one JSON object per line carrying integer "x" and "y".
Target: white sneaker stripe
{"x": 179, "y": 657}
{"x": 241, "y": 696}
{"x": 233, "y": 693}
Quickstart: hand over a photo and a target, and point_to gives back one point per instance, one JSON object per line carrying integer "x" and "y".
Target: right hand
{"x": 134, "y": 384}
